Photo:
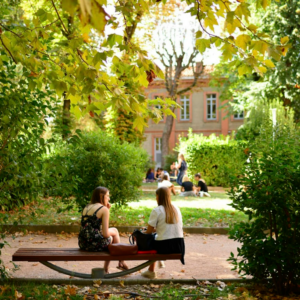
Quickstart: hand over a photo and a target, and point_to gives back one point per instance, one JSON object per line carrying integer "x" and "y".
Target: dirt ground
{"x": 205, "y": 257}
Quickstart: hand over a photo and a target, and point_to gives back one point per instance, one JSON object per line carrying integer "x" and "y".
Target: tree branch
{"x": 66, "y": 31}
{"x": 8, "y": 50}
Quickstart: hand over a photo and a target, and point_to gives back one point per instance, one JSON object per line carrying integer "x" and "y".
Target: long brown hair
{"x": 98, "y": 195}
{"x": 180, "y": 155}
{"x": 164, "y": 199}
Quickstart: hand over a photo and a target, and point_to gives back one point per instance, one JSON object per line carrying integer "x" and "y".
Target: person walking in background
{"x": 201, "y": 187}
{"x": 166, "y": 183}
{"x": 187, "y": 188}
{"x": 181, "y": 166}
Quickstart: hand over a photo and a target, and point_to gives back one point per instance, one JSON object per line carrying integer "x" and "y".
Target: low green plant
{"x": 269, "y": 192}
{"x": 99, "y": 159}
{"x": 216, "y": 158}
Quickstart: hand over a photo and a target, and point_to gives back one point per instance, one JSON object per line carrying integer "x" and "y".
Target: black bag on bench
{"x": 144, "y": 241}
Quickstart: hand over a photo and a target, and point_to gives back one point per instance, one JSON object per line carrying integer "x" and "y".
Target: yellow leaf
{"x": 255, "y": 53}
{"x": 210, "y": 20}
{"x": 86, "y": 37}
{"x": 252, "y": 28}
{"x": 269, "y": 63}
{"x": 284, "y": 40}
{"x": 260, "y": 46}
{"x": 262, "y": 69}
{"x": 96, "y": 297}
{"x": 231, "y": 27}
{"x": 228, "y": 51}
{"x": 243, "y": 11}
{"x": 18, "y": 295}
{"x": 244, "y": 69}
{"x": 122, "y": 283}
{"x": 283, "y": 49}
{"x": 70, "y": 290}
{"x": 242, "y": 41}
{"x": 265, "y": 3}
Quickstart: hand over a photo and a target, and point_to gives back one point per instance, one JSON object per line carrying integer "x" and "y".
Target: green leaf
{"x": 70, "y": 6}
{"x": 202, "y": 45}
{"x": 98, "y": 16}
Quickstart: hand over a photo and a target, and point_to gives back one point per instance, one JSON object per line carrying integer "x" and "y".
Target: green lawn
{"x": 202, "y": 212}
{"x": 204, "y": 290}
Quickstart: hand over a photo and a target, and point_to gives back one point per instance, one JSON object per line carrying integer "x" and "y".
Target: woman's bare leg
{"x": 116, "y": 239}
{"x": 172, "y": 189}
{"x": 152, "y": 267}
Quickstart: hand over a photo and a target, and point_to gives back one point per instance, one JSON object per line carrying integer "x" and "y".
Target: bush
{"x": 216, "y": 158}
{"x": 269, "y": 193}
{"x": 101, "y": 160}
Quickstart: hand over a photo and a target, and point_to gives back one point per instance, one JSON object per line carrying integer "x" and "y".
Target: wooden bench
{"x": 44, "y": 255}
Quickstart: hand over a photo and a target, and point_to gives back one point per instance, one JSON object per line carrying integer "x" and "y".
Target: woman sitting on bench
{"x": 95, "y": 215}
{"x": 166, "y": 219}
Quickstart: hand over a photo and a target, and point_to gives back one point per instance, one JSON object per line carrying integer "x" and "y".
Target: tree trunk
{"x": 66, "y": 122}
{"x": 166, "y": 136}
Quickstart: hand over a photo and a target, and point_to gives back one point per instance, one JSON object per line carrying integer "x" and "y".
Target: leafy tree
{"x": 280, "y": 82}
{"x": 65, "y": 44}
{"x": 24, "y": 117}
{"x": 268, "y": 191}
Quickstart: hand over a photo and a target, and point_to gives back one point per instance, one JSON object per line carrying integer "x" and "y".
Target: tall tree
{"x": 175, "y": 62}
{"x": 66, "y": 44}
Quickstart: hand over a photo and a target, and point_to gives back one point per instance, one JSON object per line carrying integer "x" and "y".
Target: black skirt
{"x": 171, "y": 246}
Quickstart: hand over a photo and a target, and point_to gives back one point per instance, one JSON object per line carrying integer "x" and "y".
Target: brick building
{"x": 200, "y": 111}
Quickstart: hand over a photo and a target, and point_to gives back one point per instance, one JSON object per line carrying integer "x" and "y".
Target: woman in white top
{"x": 166, "y": 220}
{"x": 167, "y": 183}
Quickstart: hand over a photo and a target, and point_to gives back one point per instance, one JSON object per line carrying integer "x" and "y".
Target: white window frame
{"x": 159, "y": 151}
{"x": 209, "y": 106}
{"x": 185, "y": 102}
{"x": 238, "y": 115}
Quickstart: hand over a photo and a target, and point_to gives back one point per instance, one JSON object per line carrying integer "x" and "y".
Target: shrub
{"x": 102, "y": 160}
{"x": 216, "y": 158}
{"x": 269, "y": 194}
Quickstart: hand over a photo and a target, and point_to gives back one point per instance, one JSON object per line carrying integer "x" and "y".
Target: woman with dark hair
{"x": 150, "y": 176}
{"x": 96, "y": 214}
{"x": 166, "y": 220}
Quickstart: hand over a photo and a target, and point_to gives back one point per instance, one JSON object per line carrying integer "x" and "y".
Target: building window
{"x": 211, "y": 106}
{"x": 157, "y": 151}
{"x": 185, "y": 108}
{"x": 238, "y": 115}
{"x": 159, "y": 107}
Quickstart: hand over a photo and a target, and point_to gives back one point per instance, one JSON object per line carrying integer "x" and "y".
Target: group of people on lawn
{"x": 165, "y": 221}
{"x": 187, "y": 187}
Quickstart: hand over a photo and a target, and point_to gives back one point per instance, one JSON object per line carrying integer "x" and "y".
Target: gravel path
{"x": 205, "y": 257}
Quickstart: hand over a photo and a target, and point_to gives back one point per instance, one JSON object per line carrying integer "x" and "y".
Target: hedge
{"x": 215, "y": 157}
{"x": 99, "y": 159}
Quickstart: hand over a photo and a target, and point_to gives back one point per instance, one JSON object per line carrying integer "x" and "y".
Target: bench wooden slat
{"x": 75, "y": 254}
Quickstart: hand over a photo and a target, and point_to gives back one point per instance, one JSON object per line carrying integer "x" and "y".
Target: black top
{"x": 203, "y": 186}
{"x": 183, "y": 166}
{"x": 188, "y": 186}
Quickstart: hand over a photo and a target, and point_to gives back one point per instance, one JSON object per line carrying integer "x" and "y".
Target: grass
{"x": 204, "y": 290}
{"x": 202, "y": 212}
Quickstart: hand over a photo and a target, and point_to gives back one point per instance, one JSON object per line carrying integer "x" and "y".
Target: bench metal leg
{"x": 96, "y": 272}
